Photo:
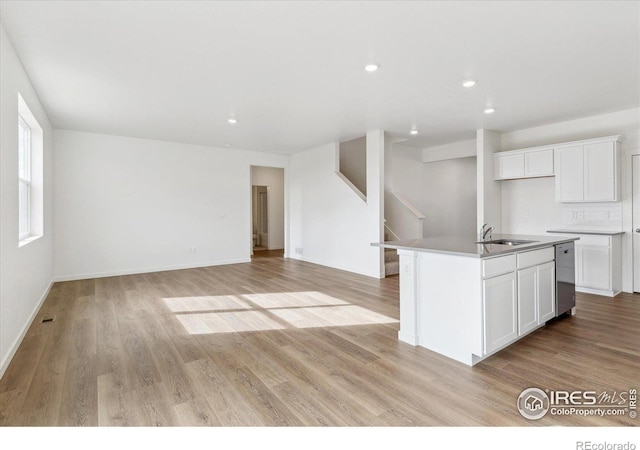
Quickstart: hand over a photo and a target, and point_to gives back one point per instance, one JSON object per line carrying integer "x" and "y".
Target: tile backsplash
{"x": 592, "y": 216}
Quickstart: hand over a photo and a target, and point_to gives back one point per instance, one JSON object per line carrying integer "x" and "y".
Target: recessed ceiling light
{"x": 232, "y": 120}
{"x": 226, "y": 144}
{"x": 489, "y": 110}
{"x": 371, "y": 67}
{"x": 414, "y": 131}
{"x": 469, "y": 83}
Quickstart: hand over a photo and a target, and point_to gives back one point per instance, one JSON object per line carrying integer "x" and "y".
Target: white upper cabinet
{"x": 570, "y": 185}
{"x": 588, "y": 171}
{"x": 508, "y": 166}
{"x": 538, "y": 163}
{"x": 601, "y": 176}
{"x": 527, "y": 163}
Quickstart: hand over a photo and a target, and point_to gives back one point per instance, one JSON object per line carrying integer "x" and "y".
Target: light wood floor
{"x": 283, "y": 342}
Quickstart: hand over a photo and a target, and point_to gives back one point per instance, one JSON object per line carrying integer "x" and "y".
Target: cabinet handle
{"x": 637, "y": 230}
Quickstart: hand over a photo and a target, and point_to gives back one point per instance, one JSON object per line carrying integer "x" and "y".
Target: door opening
{"x": 260, "y": 233}
{"x": 267, "y": 211}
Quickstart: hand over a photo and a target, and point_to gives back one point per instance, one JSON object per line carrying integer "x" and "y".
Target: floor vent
{"x": 48, "y": 319}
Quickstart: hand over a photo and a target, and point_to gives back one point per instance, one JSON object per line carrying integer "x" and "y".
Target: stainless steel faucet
{"x": 483, "y": 232}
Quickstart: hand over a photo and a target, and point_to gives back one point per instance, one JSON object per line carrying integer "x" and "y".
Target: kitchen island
{"x": 467, "y": 300}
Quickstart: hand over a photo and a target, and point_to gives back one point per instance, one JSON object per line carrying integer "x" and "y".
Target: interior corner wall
{"x": 127, "y": 205}
{"x": 25, "y": 272}
{"x": 273, "y": 178}
{"x": 489, "y": 194}
{"x": 444, "y": 191}
{"x": 330, "y": 224}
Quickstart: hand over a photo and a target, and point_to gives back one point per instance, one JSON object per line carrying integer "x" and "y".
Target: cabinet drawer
{"x": 598, "y": 241}
{"x": 535, "y": 257}
{"x": 497, "y": 266}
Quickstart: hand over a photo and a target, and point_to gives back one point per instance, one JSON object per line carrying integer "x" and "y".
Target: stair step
{"x": 391, "y": 268}
{"x": 391, "y": 255}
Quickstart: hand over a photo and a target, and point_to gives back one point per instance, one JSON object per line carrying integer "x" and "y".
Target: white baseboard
{"x": 339, "y": 267}
{"x": 597, "y": 291}
{"x": 14, "y": 347}
{"x": 117, "y": 273}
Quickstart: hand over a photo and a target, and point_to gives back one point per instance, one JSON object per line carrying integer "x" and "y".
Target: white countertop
{"x": 466, "y": 245}
{"x": 578, "y": 231}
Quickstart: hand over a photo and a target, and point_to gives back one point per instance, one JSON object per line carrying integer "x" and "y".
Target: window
{"x": 24, "y": 178}
{"x": 30, "y": 176}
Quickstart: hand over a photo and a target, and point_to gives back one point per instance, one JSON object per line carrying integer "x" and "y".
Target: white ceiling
{"x": 292, "y": 72}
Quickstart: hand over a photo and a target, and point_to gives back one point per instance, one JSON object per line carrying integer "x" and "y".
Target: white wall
{"x": 126, "y": 205}
{"x": 25, "y": 272}
{"x": 273, "y": 178}
{"x": 330, "y": 224}
{"x": 529, "y": 206}
{"x": 489, "y": 194}
{"x": 454, "y": 150}
{"x": 443, "y": 190}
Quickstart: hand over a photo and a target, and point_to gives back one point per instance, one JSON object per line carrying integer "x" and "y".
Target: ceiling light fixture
{"x": 232, "y": 120}
{"x": 489, "y": 110}
{"x": 371, "y": 67}
{"x": 469, "y": 83}
{"x": 414, "y": 131}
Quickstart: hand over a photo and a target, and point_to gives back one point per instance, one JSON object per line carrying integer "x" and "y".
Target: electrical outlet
{"x": 191, "y": 250}
{"x": 580, "y": 215}
{"x": 299, "y": 250}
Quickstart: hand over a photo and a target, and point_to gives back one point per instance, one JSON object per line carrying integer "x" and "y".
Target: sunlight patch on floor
{"x": 205, "y": 303}
{"x": 289, "y": 299}
{"x": 268, "y": 311}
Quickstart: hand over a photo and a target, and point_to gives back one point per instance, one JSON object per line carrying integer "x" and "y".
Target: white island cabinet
{"x": 467, "y": 300}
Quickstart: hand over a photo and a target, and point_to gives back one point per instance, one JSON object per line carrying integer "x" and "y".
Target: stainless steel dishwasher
{"x": 565, "y": 278}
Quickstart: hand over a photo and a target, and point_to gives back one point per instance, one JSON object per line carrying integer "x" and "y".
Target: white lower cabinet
{"x": 527, "y": 304}
{"x": 593, "y": 267}
{"x": 536, "y": 296}
{"x": 599, "y": 264}
{"x": 546, "y": 292}
{"x": 520, "y": 298}
{"x": 500, "y": 311}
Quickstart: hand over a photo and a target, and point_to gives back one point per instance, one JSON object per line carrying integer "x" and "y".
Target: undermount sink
{"x": 507, "y": 242}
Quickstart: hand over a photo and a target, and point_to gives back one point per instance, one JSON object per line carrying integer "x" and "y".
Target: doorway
{"x": 260, "y": 218}
{"x": 267, "y": 211}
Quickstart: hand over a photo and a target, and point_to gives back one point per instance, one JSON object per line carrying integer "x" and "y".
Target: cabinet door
{"x": 500, "y": 311}
{"x": 508, "y": 166}
{"x": 600, "y": 172}
{"x": 594, "y": 267}
{"x": 569, "y": 165}
{"x": 546, "y": 292}
{"x": 527, "y": 305}
{"x": 538, "y": 163}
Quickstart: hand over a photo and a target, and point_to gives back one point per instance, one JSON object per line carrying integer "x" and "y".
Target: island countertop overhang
{"x": 467, "y": 246}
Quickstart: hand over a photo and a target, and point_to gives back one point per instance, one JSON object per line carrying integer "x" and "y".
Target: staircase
{"x": 391, "y": 262}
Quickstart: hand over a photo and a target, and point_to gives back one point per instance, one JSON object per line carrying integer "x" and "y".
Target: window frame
{"x": 24, "y": 148}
